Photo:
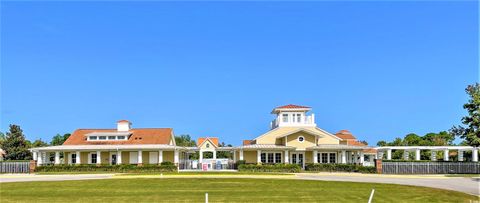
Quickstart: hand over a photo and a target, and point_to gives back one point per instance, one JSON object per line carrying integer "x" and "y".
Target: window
{"x": 319, "y": 158}
{"x": 270, "y": 158}
{"x": 208, "y": 145}
{"x": 333, "y": 157}
{"x": 301, "y": 138}
{"x": 299, "y": 118}
{"x": 285, "y": 118}
{"x": 111, "y": 137}
{"x": 324, "y": 157}
{"x": 93, "y": 137}
{"x": 94, "y": 158}
{"x": 121, "y": 137}
{"x": 263, "y": 158}
{"x": 278, "y": 157}
{"x": 74, "y": 158}
{"x": 102, "y": 137}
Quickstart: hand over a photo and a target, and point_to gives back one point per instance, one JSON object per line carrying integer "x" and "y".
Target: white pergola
{"x": 433, "y": 149}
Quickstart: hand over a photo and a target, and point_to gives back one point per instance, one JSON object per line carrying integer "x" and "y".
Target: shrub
{"x": 123, "y": 168}
{"x": 240, "y": 162}
{"x": 340, "y": 168}
{"x": 167, "y": 163}
{"x": 286, "y": 168}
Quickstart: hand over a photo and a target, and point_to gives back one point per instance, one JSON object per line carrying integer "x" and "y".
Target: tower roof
{"x": 291, "y": 107}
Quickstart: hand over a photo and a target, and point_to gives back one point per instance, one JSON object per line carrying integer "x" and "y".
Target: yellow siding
{"x": 204, "y": 145}
{"x": 66, "y": 157}
{"x": 125, "y": 157}
{"x": 84, "y": 157}
{"x": 308, "y": 157}
{"x": 271, "y": 137}
{"x": 250, "y": 157}
{"x": 292, "y": 140}
{"x": 105, "y": 157}
{"x": 145, "y": 157}
{"x": 168, "y": 156}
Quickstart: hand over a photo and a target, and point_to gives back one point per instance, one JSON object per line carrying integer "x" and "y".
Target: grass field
{"x": 220, "y": 190}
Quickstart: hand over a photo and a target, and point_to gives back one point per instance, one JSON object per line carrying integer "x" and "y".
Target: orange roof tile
{"x": 345, "y": 134}
{"x": 214, "y": 140}
{"x": 292, "y": 106}
{"x": 139, "y": 136}
{"x": 123, "y": 121}
{"x": 247, "y": 142}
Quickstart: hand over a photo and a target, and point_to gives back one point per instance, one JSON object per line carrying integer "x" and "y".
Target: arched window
{"x": 301, "y": 139}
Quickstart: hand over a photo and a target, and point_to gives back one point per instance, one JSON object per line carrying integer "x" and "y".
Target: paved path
{"x": 461, "y": 184}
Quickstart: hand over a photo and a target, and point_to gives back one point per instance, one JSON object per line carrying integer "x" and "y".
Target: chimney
{"x": 123, "y": 125}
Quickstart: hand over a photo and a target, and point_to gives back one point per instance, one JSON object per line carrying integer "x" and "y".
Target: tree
{"x": 2, "y": 138}
{"x": 59, "y": 139}
{"x": 39, "y": 143}
{"x": 185, "y": 141}
{"x": 364, "y": 142}
{"x": 471, "y": 131}
{"x": 15, "y": 145}
{"x": 382, "y": 143}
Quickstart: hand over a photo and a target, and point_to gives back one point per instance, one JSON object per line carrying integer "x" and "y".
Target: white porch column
{"x": 362, "y": 157}
{"x": 119, "y": 157}
{"x": 460, "y": 155}
{"x": 57, "y": 157}
{"x": 39, "y": 158}
{"x": 160, "y": 156}
{"x": 417, "y": 154}
{"x": 433, "y": 155}
{"x": 34, "y": 154}
{"x": 79, "y": 159}
{"x": 234, "y": 156}
{"x": 99, "y": 157}
{"x": 445, "y": 155}
{"x": 241, "y": 154}
{"x": 140, "y": 157}
{"x": 214, "y": 154}
{"x": 379, "y": 155}
{"x": 344, "y": 157}
{"x": 200, "y": 156}
{"x": 315, "y": 156}
{"x": 389, "y": 154}
{"x": 175, "y": 157}
{"x": 406, "y": 155}
{"x": 259, "y": 160}
{"x": 475, "y": 154}
{"x": 286, "y": 157}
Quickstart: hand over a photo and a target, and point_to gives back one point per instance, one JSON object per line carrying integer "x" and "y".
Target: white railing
{"x": 298, "y": 121}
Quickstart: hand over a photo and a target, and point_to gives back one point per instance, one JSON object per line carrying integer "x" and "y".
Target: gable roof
{"x": 213, "y": 140}
{"x": 138, "y": 136}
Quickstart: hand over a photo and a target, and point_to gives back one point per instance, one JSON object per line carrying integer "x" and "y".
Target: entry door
{"x": 114, "y": 159}
{"x": 298, "y": 158}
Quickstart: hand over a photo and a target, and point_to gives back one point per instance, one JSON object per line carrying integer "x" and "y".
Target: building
{"x": 294, "y": 137}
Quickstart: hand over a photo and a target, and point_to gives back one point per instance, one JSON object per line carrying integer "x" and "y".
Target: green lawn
{"x": 219, "y": 190}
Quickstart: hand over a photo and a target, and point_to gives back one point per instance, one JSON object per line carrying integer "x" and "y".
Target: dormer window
{"x": 93, "y": 137}
{"x": 102, "y": 137}
{"x": 111, "y": 137}
{"x": 121, "y": 137}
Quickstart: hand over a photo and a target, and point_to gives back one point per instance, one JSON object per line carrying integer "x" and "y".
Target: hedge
{"x": 123, "y": 168}
{"x": 285, "y": 168}
{"x": 403, "y": 160}
{"x": 340, "y": 168}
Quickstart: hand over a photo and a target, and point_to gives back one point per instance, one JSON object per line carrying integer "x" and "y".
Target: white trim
{"x": 303, "y": 139}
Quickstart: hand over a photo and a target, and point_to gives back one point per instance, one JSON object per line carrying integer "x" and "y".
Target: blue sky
{"x": 378, "y": 69}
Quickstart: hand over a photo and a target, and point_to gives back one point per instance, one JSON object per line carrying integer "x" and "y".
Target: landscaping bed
{"x": 122, "y": 168}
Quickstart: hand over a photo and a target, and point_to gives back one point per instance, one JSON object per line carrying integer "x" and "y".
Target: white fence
{"x": 15, "y": 167}
{"x": 430, "y": 167}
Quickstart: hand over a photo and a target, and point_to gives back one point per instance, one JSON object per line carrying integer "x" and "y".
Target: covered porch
{"x": 108, "y": 154}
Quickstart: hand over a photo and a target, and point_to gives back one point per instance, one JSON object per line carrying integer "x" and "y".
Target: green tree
{"x": 382, "y": 143}
{"x": 39, "y": 143}
{"x": 59, "y": 139}
{"x": 471, "y": 131}
{"x": 15, "y": 144}
{"x": 2, "y": 138}
{"x": 185, "y": 141}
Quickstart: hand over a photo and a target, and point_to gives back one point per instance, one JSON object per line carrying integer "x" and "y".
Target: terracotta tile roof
{"x": 123, "y": 121}
{"x": 345, "y": 134}
{"x": 139, "y": 136}
{"x": 214, "y": 140}
{"x": 292, "y": 106}
{"x": 247, "y": 142}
